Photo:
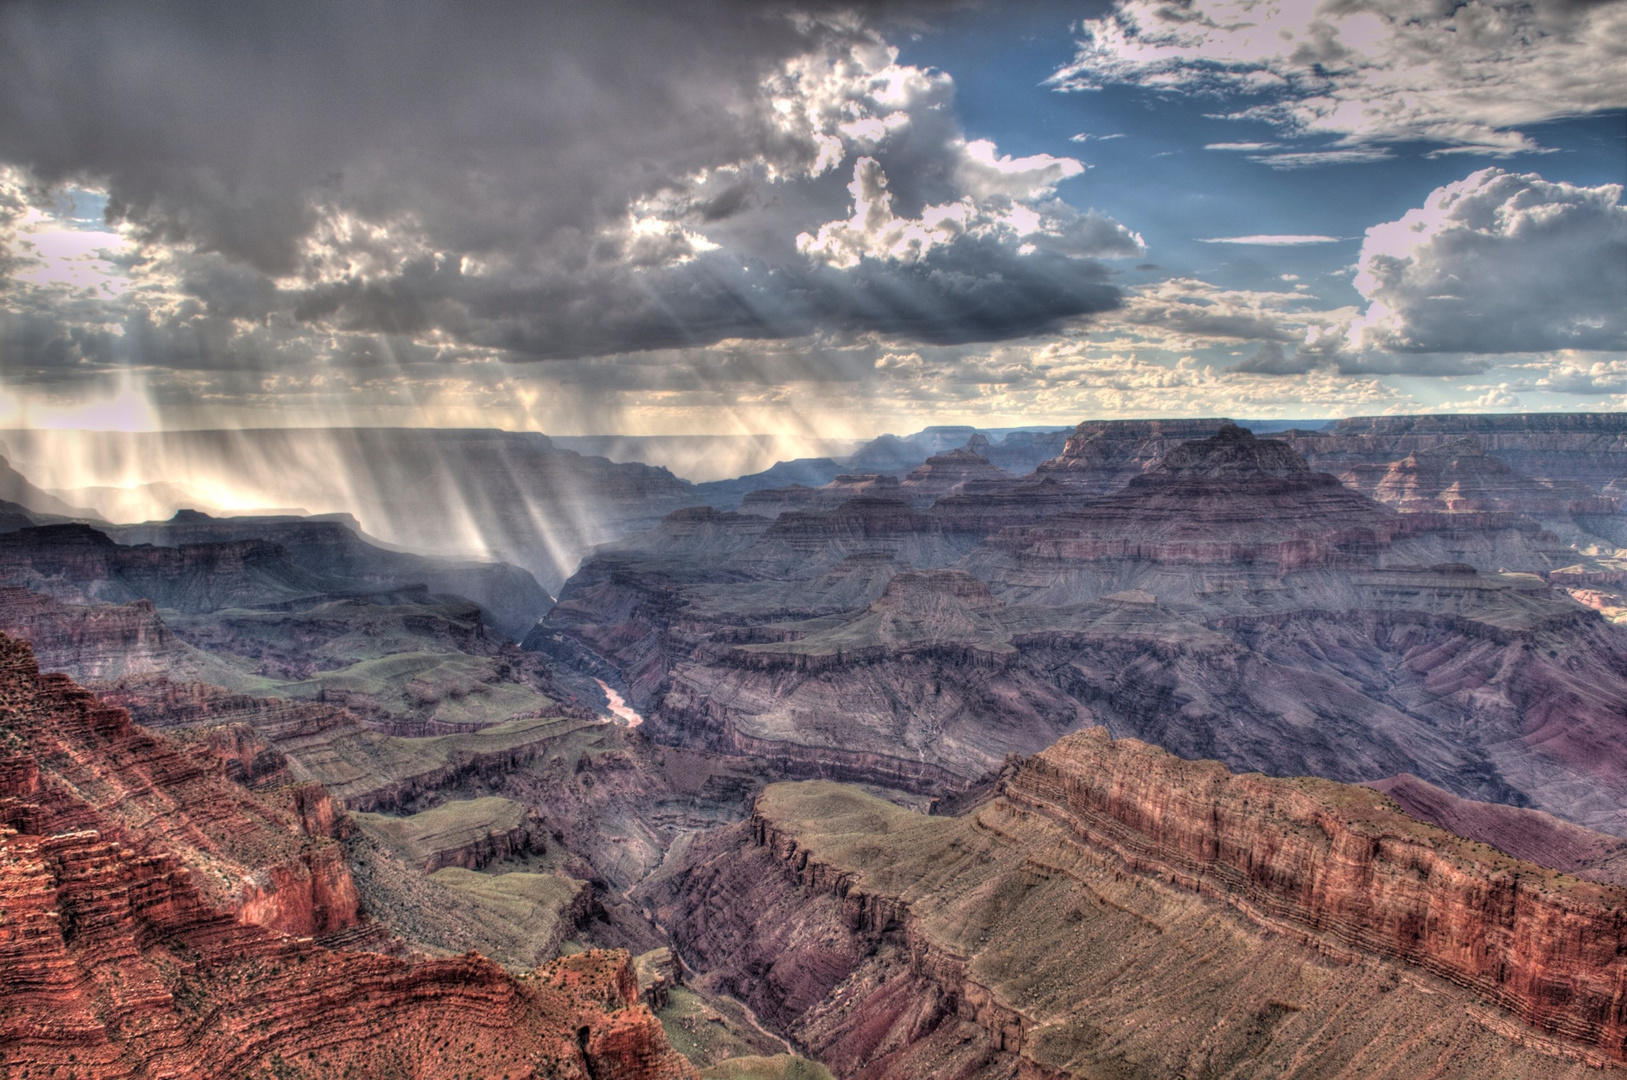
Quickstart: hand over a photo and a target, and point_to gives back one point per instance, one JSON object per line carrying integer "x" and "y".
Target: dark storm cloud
{"x": 1272, "y": 360}
{"x": 969, "y": 291}
{"x": 502, "y": 126}
{"x": 475, "y": 171}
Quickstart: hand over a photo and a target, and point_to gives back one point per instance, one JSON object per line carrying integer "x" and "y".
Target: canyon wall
{"x": 157, "y": 918}
{"x": 1116, "y": 911}
{"x": 1547, "y": 946}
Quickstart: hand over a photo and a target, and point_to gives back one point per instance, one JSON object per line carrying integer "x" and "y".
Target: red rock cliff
{"x": 156, "y": 919}
{"x": 1329, "y": 859}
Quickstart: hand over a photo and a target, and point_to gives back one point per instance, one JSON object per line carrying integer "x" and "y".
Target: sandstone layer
{"x": 1556, "y": 448}
{"x": 1460, "y": 477}
{"x": 333, "y": 547}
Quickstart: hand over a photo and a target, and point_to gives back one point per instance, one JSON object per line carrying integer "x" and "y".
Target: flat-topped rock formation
{"x": 1228, "y": 499}
{"x": 1117, "y": 911}
{"x": 772, "y": 502}
{"x": 1526, "y": 834}
{"x": 1253, "y": 506}
{"x": 1554, "y": 448}
{"x": 100, "y": 642}
{"x": 941, "y": 475}
{"x": 469, "y": 833}
{"x": 946, "y": 474}
{"x": 78, "y": 564}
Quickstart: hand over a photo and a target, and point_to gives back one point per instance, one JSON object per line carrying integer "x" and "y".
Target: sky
{"x": 808, "y": 220}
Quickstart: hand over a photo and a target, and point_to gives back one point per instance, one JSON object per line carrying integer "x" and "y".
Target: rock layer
{"x": 1116, "y": 911}
{"x": 156, "y": 919}
{"x": 1460, "y": 477}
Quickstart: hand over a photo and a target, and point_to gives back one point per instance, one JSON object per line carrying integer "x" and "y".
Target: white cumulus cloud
{"x": 1004, "y": 199}
{"x": 1498, "y": 262}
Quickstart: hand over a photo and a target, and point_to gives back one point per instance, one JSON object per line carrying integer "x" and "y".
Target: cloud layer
{"x": 1362, "y": 73}
{"x": 310, "y": 191}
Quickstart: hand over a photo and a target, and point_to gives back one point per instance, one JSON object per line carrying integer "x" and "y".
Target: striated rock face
{"x": 1117, "y": 911}
{"x": 946, "y": 474}
{"x": 772, "y": 502}
{"x": 1549, "y": 948}
{"x": 1460, "y": 477}
{"x": 156, "y": 919}
{"x": 332, "y": 546}
{"x": 104, "y": 642}
{"x": 1227, "y": 499}
{"x": 468, "y": 833}
{"x": 1254, "y": 505}
{"x": 862, "y": 525}
{"x": 258, "y": 855}
{"x": 941, "y": 475}
{"x": 1229, "y": 602}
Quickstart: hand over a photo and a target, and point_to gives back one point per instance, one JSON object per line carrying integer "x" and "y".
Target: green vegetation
{"x": 709, "y": 1030}
{"x": 778, "y": 1067}
{"x": 429, "y": 838}
{"x": 355, "y": 761}
{"x": 518, "y": 919}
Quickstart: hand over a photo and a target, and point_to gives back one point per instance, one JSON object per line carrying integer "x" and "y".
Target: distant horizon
{"x": 1047, "y": 425}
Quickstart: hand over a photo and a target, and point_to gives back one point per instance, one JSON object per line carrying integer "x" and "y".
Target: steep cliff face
{"x": 157, "y": 919}
{"x": 1460, "y": 477}
{"x": 102, "y": 642}
{"x": 332, "y": 546}
{"x": 772, "y": 502}
{"x": 1531, "y": 835}
{"x": 77, "y": 564}
{"x": 938, "y": 636}
{"x": 88, "y": 767}
{"x": 1548, "y": 947}
{"x": 1116, "y": 911}
{"x": 1235, "y": 500}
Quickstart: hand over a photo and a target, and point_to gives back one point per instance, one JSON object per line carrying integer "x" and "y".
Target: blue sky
{"x": 1157, "y": 174}
{"x": 808, "y": 220}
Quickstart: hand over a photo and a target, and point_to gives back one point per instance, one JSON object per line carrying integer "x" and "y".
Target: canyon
{"x": 157, "y": 918}
{"x": 1112, "y": 910}
{"x": 1144, "y": 749}
{"x": 1228, "y": 601}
